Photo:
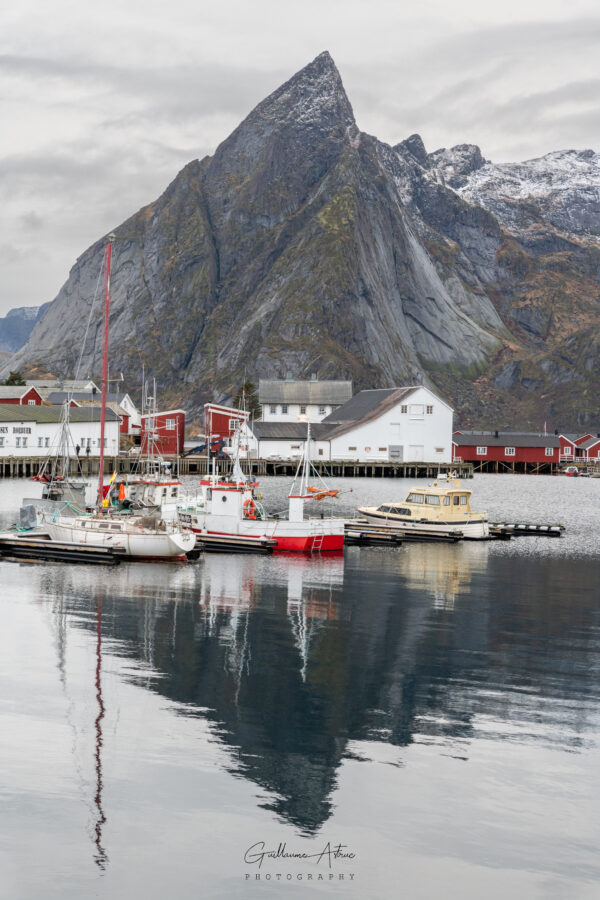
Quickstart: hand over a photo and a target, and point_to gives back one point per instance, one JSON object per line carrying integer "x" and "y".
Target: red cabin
{"x": 166, "y": 430}
{"x": 220, "y": 422}
{"x": 21, "y": 394}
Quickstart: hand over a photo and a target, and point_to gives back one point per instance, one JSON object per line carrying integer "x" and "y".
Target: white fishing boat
{"x": 144, "y": 537}
{"x": 442, "y": 506}
{"x": 231, "y": 506}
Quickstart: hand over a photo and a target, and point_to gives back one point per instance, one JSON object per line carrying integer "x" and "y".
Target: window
{"x": 446, "y": 501}
{"x": 1, "y": 442}
{"x": 404, "y": 409}
{"x": 382, "y": 449}
{"x": 432, "y": 500}
{"x": 549, "y": 451}
{"x": 46, "y": 442}
{"x": 415, "y": 498}
{"x": 509, "y": 451}
{"x": 40, "y": 442}
{"x": 31, "y": 403}
{"x": 171, "y": 424}
{"x": 439, "y": 449}
{"x": 302, "y": 410}
{"x": 295, "y": 447}
{"x": 481, "y": 451}
{"x": 321, "y": 452}
{"x": 566, "y": 451}
{"x": 429, "y": 410}
{"x": 272, "y": 409}
{"x": 351, "y": 448}
{"x": 105, "y": 440}
{"x": 284, "y": 409}
{"x": 321, "y": 410}
{"x": 463, "y": 499}
{"x": 18, "y": 442}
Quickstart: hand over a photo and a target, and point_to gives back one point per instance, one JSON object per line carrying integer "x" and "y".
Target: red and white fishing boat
{"x": 230, "y": 506}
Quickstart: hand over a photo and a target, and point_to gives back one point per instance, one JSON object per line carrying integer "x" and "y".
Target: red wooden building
{"x": 166, "y": 430}
{"x": 21, "y": 394}
{"x": 220, "y": 421}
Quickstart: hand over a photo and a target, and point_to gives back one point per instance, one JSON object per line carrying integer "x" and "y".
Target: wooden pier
{"x": 27, "y": 467}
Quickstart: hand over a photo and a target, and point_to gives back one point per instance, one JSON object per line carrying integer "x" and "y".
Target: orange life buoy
{"x": 250, "y": 509}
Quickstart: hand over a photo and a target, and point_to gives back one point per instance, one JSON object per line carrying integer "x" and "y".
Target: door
{"x": 396, "y": 452}
{"x": 416, "y": 452}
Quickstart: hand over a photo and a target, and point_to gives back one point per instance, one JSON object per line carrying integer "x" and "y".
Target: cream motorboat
{"x": 441, "y": 506}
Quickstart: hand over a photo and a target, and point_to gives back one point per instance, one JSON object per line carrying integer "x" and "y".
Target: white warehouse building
{"x": 28, "y": 431}
{"x": 286, "y": 400}
{"x": 405, "y": 424}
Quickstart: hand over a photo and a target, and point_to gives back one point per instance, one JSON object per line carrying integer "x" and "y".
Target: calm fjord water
{"x": 433, "y": 708}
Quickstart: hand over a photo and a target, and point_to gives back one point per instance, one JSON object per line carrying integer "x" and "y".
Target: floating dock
{"x": 223, "y": 543}
{"x": 365, "y": 533}
{"x": 22, "y": 545}
{"x": 518, "y": 529}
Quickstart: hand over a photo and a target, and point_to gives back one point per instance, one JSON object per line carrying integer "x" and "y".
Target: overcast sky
{"x": 102, "y": 105}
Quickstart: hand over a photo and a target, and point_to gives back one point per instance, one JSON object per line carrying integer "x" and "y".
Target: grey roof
{"x": 61, "y": 383}
{"x": 13, "y": 390}
{"x": 590, "y": 442}
{"x": 505, "y": 439}
{"x": 364, "y": 403}
{"x": 273, "y": 431}
{"x": 83, "y": 397}
{"x": 319, "y": 392}
{"x": 11, "y": 412}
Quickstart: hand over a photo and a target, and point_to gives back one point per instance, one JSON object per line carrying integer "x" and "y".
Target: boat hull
{"x": 471, "y": 529}
{"x": 307, "y": 536}
{"x": 145, "y": 545}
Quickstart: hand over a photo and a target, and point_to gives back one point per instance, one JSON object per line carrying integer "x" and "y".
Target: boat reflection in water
{"x": 298, "y": 664}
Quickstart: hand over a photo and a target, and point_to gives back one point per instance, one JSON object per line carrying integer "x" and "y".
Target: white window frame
{"x": 31, "y": 403}
{"x": 567, "y": 451}
{"x": 170, "y": 424}
{"x": 403, "y": 409}
{"x": 429, "y": 410}
{"x": 549, "y": 451}
{"x": 272, "y": 409}
{"x": 302, "y": 410}
{"x": 509, "y": 451}
{"x": 322, "y": 410}
{"x": 284, "y": 409}
{"x": 481, "y": 451}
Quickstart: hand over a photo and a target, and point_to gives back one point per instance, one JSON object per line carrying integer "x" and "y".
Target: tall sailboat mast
{"x": 107, "y": 261}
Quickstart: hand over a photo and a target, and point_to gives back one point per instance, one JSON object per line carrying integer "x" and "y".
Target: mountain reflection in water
{"x": 298, "y": 663}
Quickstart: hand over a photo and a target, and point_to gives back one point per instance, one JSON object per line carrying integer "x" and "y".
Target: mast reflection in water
{"x": 100, "y": 857}
{"x": 298, "y": 663}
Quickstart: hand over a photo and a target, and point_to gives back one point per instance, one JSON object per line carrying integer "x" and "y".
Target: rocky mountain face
{"x": 304, "y": 245}
{"x": 17, "y": 325}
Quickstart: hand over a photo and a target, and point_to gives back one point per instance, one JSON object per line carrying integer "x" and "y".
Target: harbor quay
{"x": 29, "y": 467}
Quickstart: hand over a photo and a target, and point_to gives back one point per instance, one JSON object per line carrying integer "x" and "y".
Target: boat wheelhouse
{"x": 442, "y": 506}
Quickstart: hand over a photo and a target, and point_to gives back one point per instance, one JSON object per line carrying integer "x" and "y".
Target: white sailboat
{"x": 143, "y": 537}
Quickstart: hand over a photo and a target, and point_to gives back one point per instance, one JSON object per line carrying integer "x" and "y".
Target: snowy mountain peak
{"x": 454, "y": 165}
{"x": 561, "y": 188}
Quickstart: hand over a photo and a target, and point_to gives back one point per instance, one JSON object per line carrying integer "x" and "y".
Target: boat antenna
{"x": 107, "y": 259}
